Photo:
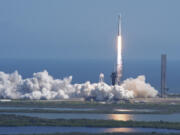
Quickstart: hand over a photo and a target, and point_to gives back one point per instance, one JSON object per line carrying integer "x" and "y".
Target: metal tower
{"x": 163, "y": 75}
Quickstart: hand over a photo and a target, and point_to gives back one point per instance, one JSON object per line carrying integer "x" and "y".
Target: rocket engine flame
{"x": 119, "y": 50}
{"x": 119, "y": 59}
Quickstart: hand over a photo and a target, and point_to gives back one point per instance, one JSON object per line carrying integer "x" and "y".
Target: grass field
{"x": 14, "y": 120}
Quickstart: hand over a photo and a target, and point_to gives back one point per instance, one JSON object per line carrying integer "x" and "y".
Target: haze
{"x": 86, "y": 29}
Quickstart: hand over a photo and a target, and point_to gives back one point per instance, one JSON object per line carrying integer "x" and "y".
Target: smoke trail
{"x": 44, "y": 86}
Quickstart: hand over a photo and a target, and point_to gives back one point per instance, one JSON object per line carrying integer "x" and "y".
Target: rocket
{"x": 119, "y": 53}
{"x": 116, "y": 76}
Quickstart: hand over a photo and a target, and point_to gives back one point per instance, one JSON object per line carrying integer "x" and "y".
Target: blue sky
{"x": 86, "y": 29}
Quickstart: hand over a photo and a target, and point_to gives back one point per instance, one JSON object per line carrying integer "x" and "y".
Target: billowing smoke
{"x": 44, "y": 86}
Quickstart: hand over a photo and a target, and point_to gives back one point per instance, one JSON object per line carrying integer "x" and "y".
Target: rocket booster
{"x": 119, "y": 53}
{"x": 119, "y": 25}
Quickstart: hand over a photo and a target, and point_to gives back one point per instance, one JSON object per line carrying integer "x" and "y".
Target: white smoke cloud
{"x": 44, "y": 86}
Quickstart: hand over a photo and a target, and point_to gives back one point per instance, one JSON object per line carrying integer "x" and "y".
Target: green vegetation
{"x": 75, "y": 111}
{"x": 99, "y": 107}
{"x": 14, "y": 120}
{"x": 86, "y": 104}
{"x": 46, "y": 103}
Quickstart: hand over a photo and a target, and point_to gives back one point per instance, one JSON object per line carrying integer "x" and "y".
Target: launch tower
{"x": 163, "y": 75}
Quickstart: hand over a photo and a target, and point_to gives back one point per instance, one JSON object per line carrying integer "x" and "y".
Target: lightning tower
{"x": 163, "y": 75}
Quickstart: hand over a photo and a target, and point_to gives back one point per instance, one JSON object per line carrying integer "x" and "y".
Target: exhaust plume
{"x": 44, "y": 86}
